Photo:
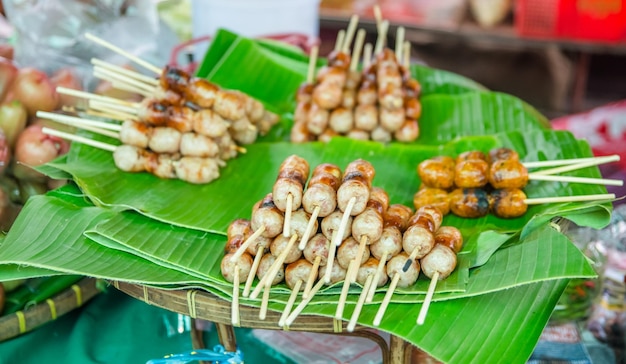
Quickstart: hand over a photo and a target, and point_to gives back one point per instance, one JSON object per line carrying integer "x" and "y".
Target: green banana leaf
{"x": 213, "y": 206}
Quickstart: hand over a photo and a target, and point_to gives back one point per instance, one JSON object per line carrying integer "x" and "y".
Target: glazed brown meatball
{"x": 437, "y": 172}
{"x": 450, "y": 237}
{"x": 469, "y": 202}
{"x": 471, "y": 173}
{"x": 508, "y": 203}
{"x": 497, "y": 154}
{"x": 508, "y": 173}
{"x": 435, "y": 197}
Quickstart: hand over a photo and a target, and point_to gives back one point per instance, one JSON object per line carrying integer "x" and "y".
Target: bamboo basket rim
{"x": 26, "y": 320}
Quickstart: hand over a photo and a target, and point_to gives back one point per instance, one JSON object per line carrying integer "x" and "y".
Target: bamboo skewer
{"x": 122, "y": 52}
{"x": 359, "y": 305}
{"x": 399, "y": 43}
{"x": 429, "y": 296}
{"x": 309, "y": 228}
{"x": 133, "y": 74}
{"x": 92, "y": 96}
{"x": 332, "y": 250}
{"x": 379, "y": 272}
{"x": 575, "y": 166}
{"x": 85, "y": 124}
{"x": 572, "y": 179}
{"x": 91, "y": 112}
{"x": 274, "y": 268}
{"x": 126, "y": 87}
{"x": 579, "y": 198}
{"x": 367, "y": 55}
{"x": 293, "y": 315}
{"x": 287, "y": 220}
{"x": 406, "y": 55}
{"x": 312, "y": 276}
{"x": 79, "y": 139}
{"x": 341, "y": 36}
{"x": 109, "y": 75}
{"x": 383, "y": 306}
{"x": 558, "y": 162}
{"x": 358, "y": 47}
{"x": 351, "y": 30}
{"x": 73, "y": 120}
{"x": 353, "y": 266}
{"x": 382, "y": 37}
{"x": 264, "y": 302}
{"x": 310, "y": 76}
{"x": 106, "y": 108}
{"x": 253, "y": 270}
{"x": 235, "y": 304}
{"x": 290, "y": 302}
{"x": 359, "y": 256}
{"x": 244, "y": 246}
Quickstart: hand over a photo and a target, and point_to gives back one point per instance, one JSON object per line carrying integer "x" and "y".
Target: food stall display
{"x": 171, "y": 234}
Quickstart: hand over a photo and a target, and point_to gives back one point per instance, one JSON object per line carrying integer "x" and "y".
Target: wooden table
{"x": 206, "y": 306}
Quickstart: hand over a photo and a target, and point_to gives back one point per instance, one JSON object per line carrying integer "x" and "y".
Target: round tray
{"x": 206, "y": 306}
{"x": 27, "y": 320}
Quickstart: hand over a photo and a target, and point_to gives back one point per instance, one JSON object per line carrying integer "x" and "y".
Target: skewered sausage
{"x": 209, "y": 123}
{"x": 449, "y": 236}
{"x": 507, "y": 173}
{"x": 175, "y": 79}
{"x": 508, "y": 203}
{"x": 502, "y": 153}
{"x": 238, "y": 231}
{"x": 369, "y": 268}
{"x": 408, "y": 132}
{"x": 395, "y": 266}
{"x": 292, "y": 176}
{"x": 269, "y": 216}
{"x": 437, "y": 172}
{"x": 197, "y": 145}
{"x": 244, "y": 264}
{"x": 441, "y": 259}
{"x": 230, "y": 104}
{"x": 317, "y": 247}
{"x": 356, "y": 184}
{"x": 471, "y": 173}
{"x": 164, "y": 140}
{"x": 348, "y": 251}
{"x": 366, "y": 117}
{"x": 197, "y": 170}
{"x": 297, "y": 271}
{"x": 469, "y": 202}
{"x": 330, "y": 224}
{"x": 397, "y": 215}
{"x": 341, "y": 120}
{"x": 436, "y": 197}
{"x": 264, "y": 266}
{"x": 201, "y": 92}
{"x": 322, "y": 190}
{"x": 418, "y": 239}
{"x": 279, "y": 244}
{"x": 337, "y": 273}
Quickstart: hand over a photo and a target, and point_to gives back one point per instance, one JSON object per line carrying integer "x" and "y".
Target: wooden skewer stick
{"x": 573, "y": 167}
{"x": 253, "y": 270}
{"x": 382, "y": 37}
{"x": 367, "y": 55}
{"x": 558, "y": 162}
{"x": 129, "y": 110}
{"x": 378, "y": 16}
{"x": 86, "y": 124}
{"x": 354, "y": 21}
{"x": 383, "y": 306}
{"x": 572, "y": 179}
{"x": 73, "y": 120}
{"x": 359, "y": 256}
{"x": 379, "y": 272}
{"x": 92, "y": 112}
{"x": 292, "y": 316}
{"x": 338, "y": 238}
{"x": 344, "y": 290}
{"x": 274, "y": 268}
{"x": 290, "y": 302}
{"x": 579, "y": 198}
{"x": 310, "y": 76}
{"x": 126, "y": 87}
{"x": 122, "y": 52}
{"x": 359, "y": 305}
{"x": 406, "y": 54}
{"x": 410, "y": 259}
{"x": 287, "y": 220}
{"x": 265, "y": 302}
{"x": 312, "y": 276}
{"x": 234, "y": 308}
{"x": 106, "y": 108}
{"x": 399, "y": 43}
{"x": 130, "y": 73}
{"x": 358, "y": 47}
{"x": 332, "y": 250}
{"x": 309, "y": 228}
{"x": 92, "y": 96}
{"x": 341, "y": 35}
{"x": 106, "y": 75}
{"x": 429, "y": 296}
{"x": 243, "y": 247}
{"x": 79, "y": 139}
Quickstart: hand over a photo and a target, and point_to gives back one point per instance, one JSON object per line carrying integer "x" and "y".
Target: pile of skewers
{"x": 380, "y": 102}
{"x": 474, "y": 184}
{"x": 339, "y": 228}
{"x": 185, "y": 127}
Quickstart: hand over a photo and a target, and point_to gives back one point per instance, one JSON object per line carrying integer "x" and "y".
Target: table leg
{"x": 398, "y": 350}
{"x": 226, "y": 335}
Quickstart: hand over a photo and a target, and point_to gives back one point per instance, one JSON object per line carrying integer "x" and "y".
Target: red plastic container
{"x": 600, "y": 20}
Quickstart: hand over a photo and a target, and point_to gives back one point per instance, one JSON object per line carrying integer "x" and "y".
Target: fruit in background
{"x": 66, "y": 77}
{"x": 7, "y": 51}
{"x": 8, "y": 211}
{"x": 8, "y": 74}
{"x": 35, "y": 90}
{"x": 34, "y": 148}
{"x": 13, "y": 119}
{"x": 5, "y": 153}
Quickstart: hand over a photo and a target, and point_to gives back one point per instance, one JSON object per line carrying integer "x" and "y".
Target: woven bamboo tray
{"x": 27, "y": 320}
{"x": 206, "y": 306}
